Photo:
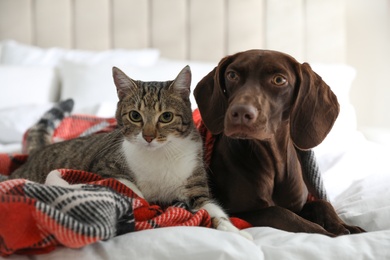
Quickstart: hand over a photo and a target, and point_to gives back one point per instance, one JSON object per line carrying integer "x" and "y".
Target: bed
{"x": 52, "y": 50}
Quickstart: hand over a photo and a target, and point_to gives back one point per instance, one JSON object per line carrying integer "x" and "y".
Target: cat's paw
{"x": 246, "y": 235}
{"x": 226, "y": 225}
{"x": 54, "y": 178}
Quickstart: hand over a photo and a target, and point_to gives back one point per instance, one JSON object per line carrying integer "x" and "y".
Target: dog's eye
{"x": 231, "y": 75}
{"x": 279, "y": 80}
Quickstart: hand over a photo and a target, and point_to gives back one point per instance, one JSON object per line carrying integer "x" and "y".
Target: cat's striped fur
{"x": 40, "y": 134}
{"x": 156, "y": 149}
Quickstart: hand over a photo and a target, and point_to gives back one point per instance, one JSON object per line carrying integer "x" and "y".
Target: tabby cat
{"x": 156, "y": 149}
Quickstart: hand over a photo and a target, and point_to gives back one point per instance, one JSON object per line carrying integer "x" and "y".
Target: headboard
{"x": 203, "y": 30}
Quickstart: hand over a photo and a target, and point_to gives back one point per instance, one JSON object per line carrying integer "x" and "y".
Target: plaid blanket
{"x": 35, "y": 218}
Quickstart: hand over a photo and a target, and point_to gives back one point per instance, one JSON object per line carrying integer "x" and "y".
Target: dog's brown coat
{"x": 261, "y": 106}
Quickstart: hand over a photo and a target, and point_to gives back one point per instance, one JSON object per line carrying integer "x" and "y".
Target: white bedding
{"x": 199, "y": 243}
{"x": 361, "y": 197}
{"x": 356, "y": 174}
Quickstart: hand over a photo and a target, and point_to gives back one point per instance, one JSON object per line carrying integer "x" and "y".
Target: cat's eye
{"x": 135, "y": 116}
{"x": 166, "y": 117}
{"x": 232, "y": 75}
{"x": 279, "y": 80}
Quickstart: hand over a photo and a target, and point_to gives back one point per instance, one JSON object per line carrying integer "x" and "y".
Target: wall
{"x": 310, "y": 30}
{"x": 368, "y": 50}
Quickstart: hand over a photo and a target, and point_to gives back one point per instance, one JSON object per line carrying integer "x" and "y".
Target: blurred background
{"x": 368, "y": 51}
{"x": 361, "y": 27}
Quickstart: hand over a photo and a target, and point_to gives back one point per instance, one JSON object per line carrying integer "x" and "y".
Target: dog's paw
{"x": 225, "y": 225}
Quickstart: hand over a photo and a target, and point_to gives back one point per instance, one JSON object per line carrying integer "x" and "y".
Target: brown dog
{"x": 261, "y": 105}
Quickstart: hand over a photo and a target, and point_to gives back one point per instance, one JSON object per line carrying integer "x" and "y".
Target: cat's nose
{"x": 148, "y": 138}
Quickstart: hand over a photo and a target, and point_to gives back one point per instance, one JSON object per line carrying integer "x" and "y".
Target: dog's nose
{"x": 243, "y": 114}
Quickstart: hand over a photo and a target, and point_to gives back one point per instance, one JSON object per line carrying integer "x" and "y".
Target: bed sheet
{"x": 359, "y": 187}
{"x": 202, "y": 243}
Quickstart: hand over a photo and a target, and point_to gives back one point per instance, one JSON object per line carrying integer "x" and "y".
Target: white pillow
{"x": 14, "y": 53}
{"x": 1, "y": 48}
{"x": 22, "y": 85}
{"x": 15, "y": 121}
{"x": 87, "y": 85}
{"x": 90, "y": 85}
{"x": 339, "y": 77}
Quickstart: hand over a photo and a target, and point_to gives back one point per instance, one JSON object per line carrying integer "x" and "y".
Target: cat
{"x": 155, "y": 150}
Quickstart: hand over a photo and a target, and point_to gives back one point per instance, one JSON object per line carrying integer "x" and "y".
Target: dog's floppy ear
{"x": 315, "y": 109}
{"x": 211, "y": 99}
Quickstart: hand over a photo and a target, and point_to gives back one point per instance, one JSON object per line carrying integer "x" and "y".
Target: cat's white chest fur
{"x": 161, "y": 173}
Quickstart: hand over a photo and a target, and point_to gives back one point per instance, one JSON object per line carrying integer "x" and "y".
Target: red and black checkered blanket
{"x": 35, "y": 218}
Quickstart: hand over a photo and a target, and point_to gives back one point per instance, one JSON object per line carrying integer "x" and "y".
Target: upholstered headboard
{"x": 181, "y": 29}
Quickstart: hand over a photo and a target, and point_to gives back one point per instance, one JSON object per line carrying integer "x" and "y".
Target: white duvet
{"x": 358, "y": 182}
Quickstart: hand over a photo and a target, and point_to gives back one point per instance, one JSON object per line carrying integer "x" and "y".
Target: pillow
{"x": 1, "y": 48}
{"x": 22, "y": 85}
{"x": 87, "y": 85}
{"x": 15, "y": 121}
{"x": 14, "y": 53}
{"x": 339, "y": 77}
{"x": 90, "y": 85}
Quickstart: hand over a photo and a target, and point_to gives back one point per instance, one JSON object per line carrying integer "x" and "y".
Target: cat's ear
{"x": 123, "y": 83}
{"x": 182, "y": 83}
